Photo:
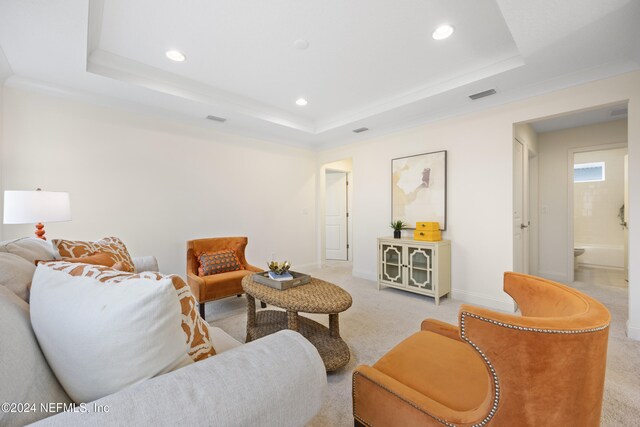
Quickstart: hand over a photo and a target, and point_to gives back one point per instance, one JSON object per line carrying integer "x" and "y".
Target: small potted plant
{"x": 279, "y": 270}
{"x": 398, "y": 226}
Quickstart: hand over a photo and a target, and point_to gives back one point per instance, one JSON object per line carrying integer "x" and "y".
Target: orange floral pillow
{"x": 111, "y": 245}
{"x": 106, "y": 259}
{"x": 218, "y": 262}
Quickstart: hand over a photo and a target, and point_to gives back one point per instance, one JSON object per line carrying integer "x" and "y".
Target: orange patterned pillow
{"x": 195, "y": 328}
{"x": 218, "y": 262}
{"x": 106, "y": 259}
{"x": 79, "y": 249}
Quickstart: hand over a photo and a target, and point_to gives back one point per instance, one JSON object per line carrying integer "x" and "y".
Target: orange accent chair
{"x": 222, "y": 285}
{"x": 544, "y": 368}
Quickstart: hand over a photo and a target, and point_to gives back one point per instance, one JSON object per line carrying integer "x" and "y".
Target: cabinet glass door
{"x": 420, "y": 262}
{"x": 391, "y": 256}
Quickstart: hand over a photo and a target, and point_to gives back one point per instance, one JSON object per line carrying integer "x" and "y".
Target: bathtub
{"x": 610, "y": 256}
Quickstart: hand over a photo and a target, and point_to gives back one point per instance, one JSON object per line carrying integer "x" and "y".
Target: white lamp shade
{"x": 30, "y": 207}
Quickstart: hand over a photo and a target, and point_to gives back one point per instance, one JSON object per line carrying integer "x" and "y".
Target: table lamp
{"x": 36, "y": 207}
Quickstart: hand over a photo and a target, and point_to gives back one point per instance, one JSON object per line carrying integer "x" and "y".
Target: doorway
{"x": 599, "y": 225}
{"x": 336, "y": 215}
{"x": 521, "y": 220}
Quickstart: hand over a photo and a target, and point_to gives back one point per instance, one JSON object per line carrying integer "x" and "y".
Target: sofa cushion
{"x": 79, "y": 249}
{"x": 25, "y": 376}
{"x": 16, "y": 274}
{"x": 216, "y": 262}
{"x": 102, "y": 330}
{"x": 29, "y": 248}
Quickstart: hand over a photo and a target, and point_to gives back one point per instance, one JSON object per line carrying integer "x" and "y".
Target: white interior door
{"x": 336, "y": 215}
{"x": 519, "y": 224}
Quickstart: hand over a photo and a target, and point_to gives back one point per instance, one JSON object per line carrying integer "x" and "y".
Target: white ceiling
{"x": 369, "y": 63}
{"x": 582, "y": 118}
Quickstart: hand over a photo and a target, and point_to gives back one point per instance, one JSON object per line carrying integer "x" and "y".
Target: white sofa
{"x": 278, "y": 380}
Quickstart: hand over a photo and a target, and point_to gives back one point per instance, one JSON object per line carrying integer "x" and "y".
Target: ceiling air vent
{"x": 360, "y": 130}
{"x": 482, "y": 94}
{"x": 619, "y": 112}
{"x": 216, "y": 119}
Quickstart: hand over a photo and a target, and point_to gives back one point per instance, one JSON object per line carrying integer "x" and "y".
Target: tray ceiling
{"x": 368, "y": 63}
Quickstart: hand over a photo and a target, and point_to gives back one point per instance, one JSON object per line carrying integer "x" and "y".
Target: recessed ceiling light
{"x": 175, "y": 55}
{"x": 301, "y": 102}
{"x": 301, "y": 44}
{"x": 442, "y": 32}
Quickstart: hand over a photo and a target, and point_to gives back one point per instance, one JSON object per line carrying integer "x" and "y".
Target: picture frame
{"x": 419, "y": 189}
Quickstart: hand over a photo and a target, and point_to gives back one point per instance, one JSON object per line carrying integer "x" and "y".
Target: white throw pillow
{"x": 102, "y": 330}
{"x": 16, "y": 274}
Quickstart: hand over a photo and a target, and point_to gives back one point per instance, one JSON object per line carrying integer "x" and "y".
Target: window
{"x": 588, "y": 172}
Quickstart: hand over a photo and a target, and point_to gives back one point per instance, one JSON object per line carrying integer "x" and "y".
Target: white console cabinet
{"x": 415, "y": 266}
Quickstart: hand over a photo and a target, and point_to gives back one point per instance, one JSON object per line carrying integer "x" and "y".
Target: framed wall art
{"x": 419, "y": 189}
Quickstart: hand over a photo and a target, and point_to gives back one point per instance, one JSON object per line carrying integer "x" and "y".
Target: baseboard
{"x": 600, "y": 266}
{"x": 365, "y": 274}
{"x": 633, "y": 332}
{"x": 483, "y": 300}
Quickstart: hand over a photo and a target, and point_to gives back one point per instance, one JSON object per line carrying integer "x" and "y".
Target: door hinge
{"x": 347, "y": 246}
{"x": 347, "y": 214}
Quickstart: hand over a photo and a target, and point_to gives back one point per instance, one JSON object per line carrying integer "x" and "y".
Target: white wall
{"x": 555, "y": 159}
{"x": 1, "y": 151}
{"x": 479, "y": 185}
{"x": 5, "y": 72}
{"x": 596, "y": 206}
{"x": 157, "y": 184}
{"x": 478, "y": 196}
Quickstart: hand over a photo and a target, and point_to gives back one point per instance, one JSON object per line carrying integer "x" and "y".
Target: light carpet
{"x": 378, "y": 320}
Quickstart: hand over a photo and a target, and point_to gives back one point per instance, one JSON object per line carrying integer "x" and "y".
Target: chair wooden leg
{"x": 263, "y": 304}
{"x": 201, "y": 307}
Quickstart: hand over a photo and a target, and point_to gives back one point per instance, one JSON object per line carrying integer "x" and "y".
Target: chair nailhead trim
{"x": 496, "y": 382}
{"x": 524, "y": 328}
{"x": 496, "y": 398}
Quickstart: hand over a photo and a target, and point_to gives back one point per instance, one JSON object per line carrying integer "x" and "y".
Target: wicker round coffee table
{"x": 317, "y": 296}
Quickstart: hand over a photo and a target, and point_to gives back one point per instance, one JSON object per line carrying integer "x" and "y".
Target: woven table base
{"x": 333, "y": 350}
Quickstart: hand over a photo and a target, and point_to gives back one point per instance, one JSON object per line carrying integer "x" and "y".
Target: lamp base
{"x": 40, "y": 231}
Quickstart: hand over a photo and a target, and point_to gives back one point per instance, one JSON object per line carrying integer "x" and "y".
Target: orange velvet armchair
{"x": 544, "y": 368}
{"x": 222, "y": 285}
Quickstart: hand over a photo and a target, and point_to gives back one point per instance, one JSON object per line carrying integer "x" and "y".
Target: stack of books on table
{"x": 280, "y": 277}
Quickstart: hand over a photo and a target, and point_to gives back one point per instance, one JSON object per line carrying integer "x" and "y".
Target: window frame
{"x": 601, "y": 165}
